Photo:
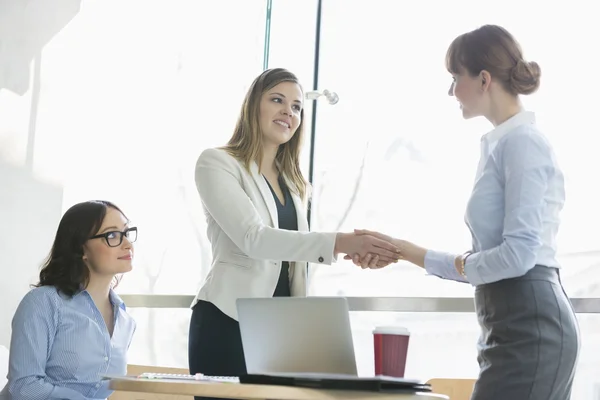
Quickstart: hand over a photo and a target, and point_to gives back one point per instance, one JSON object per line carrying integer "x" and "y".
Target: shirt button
{"x": 105, "y": 358}
{"x": 321, "y": 259}
{"x": 97, "y": 385}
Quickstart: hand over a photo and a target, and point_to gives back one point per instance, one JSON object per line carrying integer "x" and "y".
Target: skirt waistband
{"x": 537, "y": 273}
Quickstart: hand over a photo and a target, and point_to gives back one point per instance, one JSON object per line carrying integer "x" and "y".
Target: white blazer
{"x": 247, "y": 247}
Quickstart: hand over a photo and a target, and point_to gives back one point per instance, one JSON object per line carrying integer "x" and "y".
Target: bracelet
{"x": 463, "y": 260}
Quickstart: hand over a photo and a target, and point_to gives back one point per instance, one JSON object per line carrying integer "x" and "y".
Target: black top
{"x": 287, "y": 219}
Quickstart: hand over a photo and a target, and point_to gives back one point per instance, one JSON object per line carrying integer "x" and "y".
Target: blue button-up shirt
{"x": 513, "y": 212}
{"x": 60, "y": 346}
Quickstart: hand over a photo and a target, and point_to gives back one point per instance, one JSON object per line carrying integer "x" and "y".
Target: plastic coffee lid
{"x": 391, "y": 330}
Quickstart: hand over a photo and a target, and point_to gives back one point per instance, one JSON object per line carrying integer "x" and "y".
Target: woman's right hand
{"x": 363, "y": 244}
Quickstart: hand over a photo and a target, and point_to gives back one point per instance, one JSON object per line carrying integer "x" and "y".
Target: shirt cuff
{"x": 329, "y": 248}
{"x": 441, "y": 264}
{"x": 471, "y": 270}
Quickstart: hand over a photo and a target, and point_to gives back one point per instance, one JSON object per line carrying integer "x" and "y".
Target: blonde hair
{"x": 246, "y": 142}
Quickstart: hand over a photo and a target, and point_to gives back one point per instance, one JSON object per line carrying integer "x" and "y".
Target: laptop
{"x": 297, "y": 335}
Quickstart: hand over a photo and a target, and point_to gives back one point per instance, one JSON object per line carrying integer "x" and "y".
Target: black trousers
{"x": 215, "y": 343}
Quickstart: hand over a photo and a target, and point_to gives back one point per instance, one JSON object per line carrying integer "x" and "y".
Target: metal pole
{"x": 313, "y": 125}
{"x": 267, "y": 36}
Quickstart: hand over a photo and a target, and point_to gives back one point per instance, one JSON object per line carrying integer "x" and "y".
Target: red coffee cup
{"x": 391, "y": 348}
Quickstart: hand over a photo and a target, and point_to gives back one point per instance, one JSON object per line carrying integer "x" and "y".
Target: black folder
{"x": 381, "y": 383}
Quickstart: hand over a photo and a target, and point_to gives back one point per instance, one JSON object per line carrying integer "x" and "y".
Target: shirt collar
{"x": 115, "y": 300}
{"x": 522, "y": 118}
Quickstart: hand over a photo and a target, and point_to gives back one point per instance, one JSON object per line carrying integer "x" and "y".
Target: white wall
{"x": 30, "y": 204}
{"x": 29, "y": 214}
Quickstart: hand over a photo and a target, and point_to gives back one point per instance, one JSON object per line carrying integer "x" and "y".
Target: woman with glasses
{"x": 72, "y": 328}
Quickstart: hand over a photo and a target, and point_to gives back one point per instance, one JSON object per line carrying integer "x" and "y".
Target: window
{"x": 131, "y": 93}
{"x": 395, "y": 155}
{"x": 126, "y": 111}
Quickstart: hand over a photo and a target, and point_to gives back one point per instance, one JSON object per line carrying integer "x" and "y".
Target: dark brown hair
{"x": 246, "y": 142}
{"x": 65, "y": 268}
{"x": 493, "y": 49}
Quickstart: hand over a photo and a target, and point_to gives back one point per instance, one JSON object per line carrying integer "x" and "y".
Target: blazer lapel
{"x": 266, "y": 194}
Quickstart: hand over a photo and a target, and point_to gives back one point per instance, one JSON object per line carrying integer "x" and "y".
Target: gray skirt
{"x": 529, "y": 339}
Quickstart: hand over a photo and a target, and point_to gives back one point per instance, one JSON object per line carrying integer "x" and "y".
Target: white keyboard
{"x": 197, "y": 377}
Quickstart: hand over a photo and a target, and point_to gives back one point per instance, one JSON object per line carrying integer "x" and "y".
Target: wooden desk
{"x": 258, "y": 392}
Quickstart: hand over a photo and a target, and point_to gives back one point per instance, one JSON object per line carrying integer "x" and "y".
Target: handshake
{"x": 368, "y": 249}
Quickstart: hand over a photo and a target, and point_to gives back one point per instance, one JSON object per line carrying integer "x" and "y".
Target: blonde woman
{"x": 254, "y": 197}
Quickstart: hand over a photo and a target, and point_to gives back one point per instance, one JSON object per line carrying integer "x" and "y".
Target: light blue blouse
{"x": 61, "y": 346}
{"x": 513, "y": 212}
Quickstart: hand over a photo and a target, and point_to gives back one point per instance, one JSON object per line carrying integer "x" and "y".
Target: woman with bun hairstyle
{"x": 529, "y": 339}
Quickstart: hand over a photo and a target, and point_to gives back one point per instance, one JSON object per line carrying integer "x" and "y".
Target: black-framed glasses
{"x": 115, "y": 238}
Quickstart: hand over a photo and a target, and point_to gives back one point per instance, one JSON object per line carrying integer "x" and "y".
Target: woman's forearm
{"x": 412, "y": 253}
